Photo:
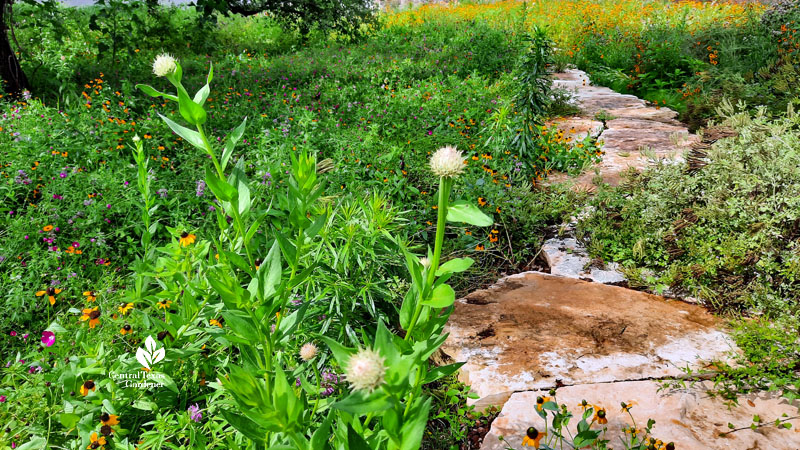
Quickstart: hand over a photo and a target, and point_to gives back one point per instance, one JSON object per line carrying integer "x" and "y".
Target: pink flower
{"x": 2, "y": 398}
{"x": 13, "y": 333}
{"x": 48, "y": 338}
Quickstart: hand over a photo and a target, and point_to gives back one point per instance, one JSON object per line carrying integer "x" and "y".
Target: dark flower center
{"x": 51, "y": 291}
{"x": 106, "y": 430}
{"x": 601, "y": 413}
{"x": 539, "y": 400}
{"x": 89, "y": 384}
{"x": 532, "y": 433}
{"x": 184, "y": 235}
{"x": 94, "y": 314}
{"x": 127, "y": 327}
{"x": 104, "y": 417}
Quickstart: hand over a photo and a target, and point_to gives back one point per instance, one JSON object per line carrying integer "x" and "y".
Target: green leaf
{"x": 455, "y": 266}
{"x": 191, "y": 111}
{"x": 440, "y": 372}
{"x": 192, "y": 137}
{"x": 224, "y": 191}
{"x": 442, "y": 297}
{"x": 244, "y": 425}
{"x": 69, "y": 420}
{"x": 340, "y": 352}
{"x": 359, "y": 402}
{"x": 322, "y": 433}
{"x": 36, "y": 443}
{"x": 243, "y": 326}
{"x": 154, "y": 93}
{"x": 464, "y": 212}
{"x": 355, "y": 441}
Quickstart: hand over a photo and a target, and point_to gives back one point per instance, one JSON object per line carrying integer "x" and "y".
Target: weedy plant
{"x": 557, "y": 433}
{"x": 262, "y": 257}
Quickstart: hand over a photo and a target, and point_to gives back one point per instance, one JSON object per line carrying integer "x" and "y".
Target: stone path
{"x": 624, "y": 123}
{"x": 574, "y": 331}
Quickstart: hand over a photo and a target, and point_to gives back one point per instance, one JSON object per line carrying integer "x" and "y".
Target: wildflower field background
{"x": 115, "y": 226}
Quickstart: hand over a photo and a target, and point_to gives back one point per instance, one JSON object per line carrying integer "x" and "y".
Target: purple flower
{"x": 194, "y": 413}
{"x": 201, "y": 188}
{"x": 48, "y": 338}
{"x": 2, "y": 398}
{"x": 162, "y": 193}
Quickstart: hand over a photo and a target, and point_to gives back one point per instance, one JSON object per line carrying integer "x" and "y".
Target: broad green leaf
{"x": 464, "y": 212}
{"x": 224, "y": 191}
{"x": 440, "y": 372}
{"x": 192, "y": 137}
{"x": 242, "y": 326}
{"x": 191, "y": 111}
{"x": 442, "y": 297}
{"x": 244, "y": 425}
{"x": 455, "y": 266}
{"x": 340, "y": 352}
{"x": 359, "y": 402}
{"x": 154, "y": 93}
{"x": 68, "y": 420}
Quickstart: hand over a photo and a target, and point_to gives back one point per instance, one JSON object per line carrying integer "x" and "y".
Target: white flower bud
{"x": 164, "y": 65}
{"x": 426, "y": 263}
{"x": 308, "y": 351}
{"x": 447, "y": 162}
{"x": 365, "y": 370}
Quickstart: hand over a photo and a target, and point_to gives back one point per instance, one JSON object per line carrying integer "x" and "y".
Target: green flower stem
{"x": 210, "y": 152}
{"x": 445, "y": 187}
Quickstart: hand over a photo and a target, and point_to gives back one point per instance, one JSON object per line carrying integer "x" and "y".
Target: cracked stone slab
{"x": 533, "y": 330}
{"x": 568, "y": 258}
{"x": 688, "y": 417}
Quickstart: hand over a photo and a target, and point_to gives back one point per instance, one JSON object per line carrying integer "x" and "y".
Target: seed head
{"x": 447, "y": 162}
{"x": 365, "y": 370}
{"x": 308, "y": 351}
{"x": 164, "y": 65}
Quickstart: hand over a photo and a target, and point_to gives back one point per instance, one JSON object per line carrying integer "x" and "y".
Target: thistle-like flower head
{"x": 164, "y": 65}
{"x": 308, "y": 351}
{"x": 447, "y": 162}
{"x": 365, "y": 370}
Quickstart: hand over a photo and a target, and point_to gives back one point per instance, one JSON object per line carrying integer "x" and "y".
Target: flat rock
{"x": 689, "y": 417}
{"x": 568, "y": 258}
{"x": 533, "y": 330}
{"x": 630, "y": 125}
{"x": 578, "y": 128}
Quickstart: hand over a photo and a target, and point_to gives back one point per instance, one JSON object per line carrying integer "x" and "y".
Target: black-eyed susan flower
{"x": 626, "y": 406}
{"x": 51, "y": 294}
{"x": 90, "y": 296}
{"x": 164, "y": 304}
{"x": 126, "y": 329}
{"x": 87, "y": 386}
{"x": 123, "y": 308}
{"x": 106, "y": 430}
{"x": 109, "y": 419}
{"x": 584, "y": 405}
{"x": 600, "y": 416}
{"x": 96, "y": 442}
{"x": 92, "y": 315}
{"x": 540, "y": 401}
{"x": 480, "y": 248}
{"x": 215, "y": 322}
{"x": 187, "y": 239}
{"x": 532, "y": 438}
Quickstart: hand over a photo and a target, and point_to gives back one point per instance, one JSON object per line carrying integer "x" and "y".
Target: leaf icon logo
{"x": 150, "y": 354}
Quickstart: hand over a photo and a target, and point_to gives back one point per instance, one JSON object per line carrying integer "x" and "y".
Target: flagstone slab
{"x": 534, "y": 331}
{"x": 629, "y": 126}
{"x": 689, "y": 417}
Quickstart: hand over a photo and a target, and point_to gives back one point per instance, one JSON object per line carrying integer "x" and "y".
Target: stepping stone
{"x": 535, "y": 331}
{"x": 690, "y": 417}
{"x": 631, "y": 125}
{"x": 568, "y": 258}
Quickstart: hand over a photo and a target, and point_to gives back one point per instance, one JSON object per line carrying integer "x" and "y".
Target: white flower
{"x": 164, "y": 65}
{"x": 426, "y": 263}
{"x": 308, "y": 351}
{"x": 447, "y": 162}
{"x": 136, "y": 138}
{"x": 365, "y": 370}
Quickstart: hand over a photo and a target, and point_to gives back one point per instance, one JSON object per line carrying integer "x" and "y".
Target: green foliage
{"x": 723, "y": 229}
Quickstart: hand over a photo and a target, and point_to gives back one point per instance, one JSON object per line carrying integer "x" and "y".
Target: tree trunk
{"x": 14, "y": 79}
